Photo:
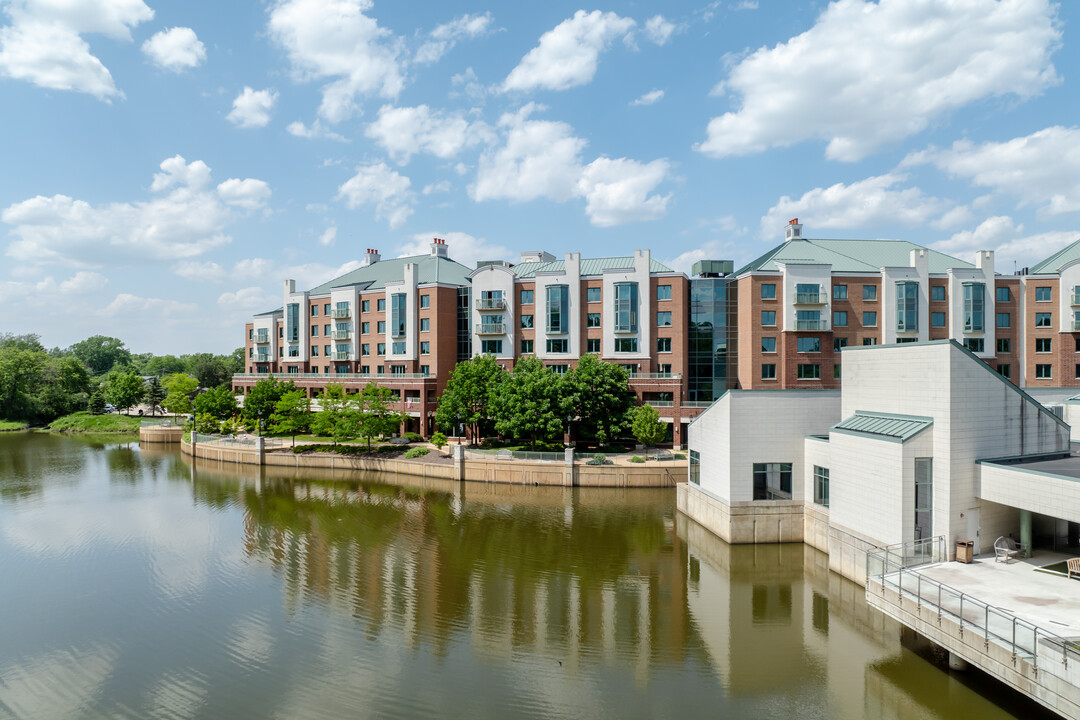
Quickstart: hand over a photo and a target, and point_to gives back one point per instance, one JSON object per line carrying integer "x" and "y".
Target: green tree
{"x": 64, "y": 387}
{"x": 438, "y": 440}
{"x": 530, "y": 402}
{"x": 375, "y": 416}
{"x": 219, "y": 403}
{"x": 260, "y": 401}
{"x": 125, "y": 391}
{"x": 20, "y": 378}
{"x": 155, "y": 394}
{"x": 30, "y": 341}
{"x": 467, "y": 397}
{"x": 647, "y": 427}
{"x": 164, "y": 365}
{"x": 335, "y": 418}
{"x": 179, "y": 389}
{"x": 599, "y": 398}
{"x": 210, "y": 370}
{"x": 207, "y": 424}
{"x": 292, "y": 414}
{"x": 101, "y": 353}
{"x": 96, "y": 404}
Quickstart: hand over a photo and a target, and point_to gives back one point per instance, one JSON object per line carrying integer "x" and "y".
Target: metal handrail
{"x": 491, "y": 329}
{"x": 261, "y": 339}
{"x": 340, "y": 313}
{"x": 810, "y": 325}
{"x": 341, "y": 334}
{"x": 654, "y": 376}
{"x": 813, "y": 298}
{"x": 490, "y": 303}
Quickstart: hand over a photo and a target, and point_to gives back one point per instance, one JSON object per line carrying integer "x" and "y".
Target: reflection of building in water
{"x": 560, "y": 578}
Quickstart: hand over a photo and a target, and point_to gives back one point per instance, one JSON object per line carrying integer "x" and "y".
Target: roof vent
{"x": 438, "y": 248}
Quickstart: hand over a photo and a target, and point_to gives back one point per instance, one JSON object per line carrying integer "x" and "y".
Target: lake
{"x": 136, "y": 584}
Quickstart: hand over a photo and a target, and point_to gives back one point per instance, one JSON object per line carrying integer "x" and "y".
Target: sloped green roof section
{"x": 375, "y": 276}
{"x": 851, "y": 256}
{"x": 589, "y": 266}
{"x": 1055, "y": 262}
{"x": 896, "y": 428}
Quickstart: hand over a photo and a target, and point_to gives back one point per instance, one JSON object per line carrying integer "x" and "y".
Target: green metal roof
{"x": 376, "y": 275}
{"x": 851, "y": 256}
{"x": 898, "y": 428}
{"x": 1055, "y": 262}
{"x": 589, "y": 266}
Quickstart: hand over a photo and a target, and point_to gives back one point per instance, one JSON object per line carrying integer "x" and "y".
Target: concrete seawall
{"x": 161, "y": 434}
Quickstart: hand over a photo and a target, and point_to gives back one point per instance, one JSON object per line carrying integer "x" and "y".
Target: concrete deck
{"x": 1049, "y": 601}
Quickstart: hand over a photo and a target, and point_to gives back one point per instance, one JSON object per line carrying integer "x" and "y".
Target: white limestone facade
{"x": 570, "y": 277}
{"x": 639, "y": 275}
{"x": 402, "y": 347}
{"x": 487, "y": 281}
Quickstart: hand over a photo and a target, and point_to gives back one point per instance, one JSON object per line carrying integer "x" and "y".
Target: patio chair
{"x": 1073, "y": 565}
{"x": 1006, "y": 549}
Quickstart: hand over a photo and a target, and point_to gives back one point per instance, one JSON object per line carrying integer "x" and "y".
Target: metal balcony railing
{"x": 660, "y": 403}
{"x": 490, "y": 303}
{"x": 340, "y": 313}
{"x": 262, "y": 358}
{"x": 813, "y": 325}
{"x": 634, "y": 375}
{"x": 341, "y": 334}
{"x": 262, "y": 339}
{"x": 342, "y": 356}
{"x": 339, "y": 376}
{"x": 491, "y": 329}
{"x": 810, "y": 298}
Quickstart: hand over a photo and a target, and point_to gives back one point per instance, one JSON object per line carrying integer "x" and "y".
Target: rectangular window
{"x": 1003, "y": 370}
{"x": 937, "y": 319}
{"x": 380, "y": 348}
{"x": 937, "y": 293}
{"x": 869, "y": 292}
{"x": 772, "y": 481}
{"x": 365, "y": 306}
{"x": 808, "y": 293}
{"x": 380, "y": 305}
{"x": 839, "y": 292}
{"x": 314, "y": 351}
{"x": 809, "y": 345}
{"x": 1077, "y": 348}
{"x": 1003, "y": 345}
{"x": 1043, "y": 319}
{"x": 663, "y": 319}
{"x": 526, "y": 322}
{"x": 526, "y": 347}
{"x": 365, "y": 328}
{"x": 907, "y": 306}
{"x": 1077, "y": 371}
{"x": 559, "y": 369}
{"x": 1003, "y": 294}
{"x": 839, "y": 317}
{"x": 626, "y": 307}
{"x": 768, "y": 344}
{"x": 1043, "y": 294}
{"x": 809, "y": 372}
{"x": 768, "y": 317}
{"x": 821, "y": 486}
{"x": 902, "y": 340}
{"x": 1042, "y": 345}
{"x": 836, "y": 371}
{"x": 292, "y": 322}
{"x": 397, "y": 315}
{"x": 975, "y": 345}
{"x": 593, "y": 294}
{"x": 768, "y": 371}
{"x": 326, "y": 351}
{"x": 839, "y": 344}
{"x": 314, "y": 311}
{"x": 526, "y": 297}
{"x": 381, "y": 327}
{"x": 326, "y": 330}
{"x": 626, "y": 345}
{"x": 326, "y": 309}
{"x": 314, "y": 331}
{"x": 558, "y": 346}
{"x": 425, "y": 324}
{"x": 558, "y": 308}
{"x": 663, "y": 345}
{"x": 768, "y": 291}
{"x": 1043, "y": 372}
{"x": 663, "y": 292}
{"x": 695, "y": 467}
{"x": 592, "y": 320}
{"x": 974, "y": 305}
{"x": 425, "y": 301}
{"x": 365, "y": 349}
{"x": 398, "y": 348}
{"x": 251, "y": 334}
{"x": 924, "y": 494}
{"x": 808, "y": 320}
{"x": 1004, "y": 320}
{"x": 869, "y": 341}
{"x": 869, "y": 318}
{"x": 425, "y": 348}
{"x": 491, "y": 347}
{"x": 592, "y": 345}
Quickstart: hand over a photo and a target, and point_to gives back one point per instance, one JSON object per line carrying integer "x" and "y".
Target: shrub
{"x": 438, "y": 440}
{"x": 637, "y": 459}
{"x": 412, "y": 436}
{"x": 680, "y": 456}
{"x": 598, "y": 459}
{"x": 347, "y": 449}
{"x": 415, "y": 453}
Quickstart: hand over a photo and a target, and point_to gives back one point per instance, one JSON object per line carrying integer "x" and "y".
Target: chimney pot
{"x": 793, "y": 221}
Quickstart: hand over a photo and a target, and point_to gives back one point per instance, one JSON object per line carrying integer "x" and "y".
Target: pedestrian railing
{"x": 247, "y": 443}
{"x": 159, "y": 422}
{"x": 895, "y": 568}
{"x": 504, "y": 454}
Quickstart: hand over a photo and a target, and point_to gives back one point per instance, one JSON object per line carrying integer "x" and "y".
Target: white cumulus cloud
{"x": 650, "y": 98}
{"x": 334, "y": 41}
{"x": 378, "y": 185}
{"x": 443, "y": 38}
{"x": 175, "y": 49}
{"x": 405, "y": 131}
{"x": 659, "y": 30}
{"x": 872, "y": 73}
{"x": 126, "y": 304}
{"x": 462, "y": 247}
{"x": 315, "y": 130}
{"x": 1008, "y": 241}
{"x": 329, "y": 236}
{"x": 568, "y": 54}
{"x": 252, "y": 108}
{"x": 44, "y": 43}
{"x": 249, "y": 194}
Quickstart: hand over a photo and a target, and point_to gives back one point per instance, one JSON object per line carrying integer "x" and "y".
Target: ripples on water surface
{"x": 135, "y": 586}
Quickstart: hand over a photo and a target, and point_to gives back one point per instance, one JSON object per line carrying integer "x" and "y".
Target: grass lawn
{"x": 84, "y": 422}
{"x": 9, "y": 425}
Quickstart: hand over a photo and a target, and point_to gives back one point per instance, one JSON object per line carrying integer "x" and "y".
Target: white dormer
{"x": 438, "y": 248}
{"x": 793, "y": 230}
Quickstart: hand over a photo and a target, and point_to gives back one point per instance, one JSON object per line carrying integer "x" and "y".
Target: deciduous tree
{"x": 125, "y": 391}
{"x": 179, "y": 390}
{"x": 292, "y": 414}
{"x": 375, "y": 416}
{"x": 468, "y": 394}
{"x": 648, "y": 428}
{"x": 101, "y": 353}
{"x": 219, "y": 403}
{"x": 599, "y": 399}
{"x": 530, "y": 402}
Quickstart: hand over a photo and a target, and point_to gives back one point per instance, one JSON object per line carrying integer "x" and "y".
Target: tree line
{"x": 39, "y": 385}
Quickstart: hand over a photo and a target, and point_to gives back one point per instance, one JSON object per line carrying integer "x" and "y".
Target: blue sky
{"x": 167, "y": 165}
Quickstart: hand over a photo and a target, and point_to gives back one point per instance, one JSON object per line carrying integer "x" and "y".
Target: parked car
{"x": 110, "y": 408}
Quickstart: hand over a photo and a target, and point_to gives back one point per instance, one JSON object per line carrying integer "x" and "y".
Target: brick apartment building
{"x": 781, "y": 321}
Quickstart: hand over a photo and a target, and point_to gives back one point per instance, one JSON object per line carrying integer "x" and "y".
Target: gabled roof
{"x": 1055, "y": 262}
{"x": 589, "y": 266}
{"x": 895, "y": 428}
{"x": 375, "y": 276}
{"x": 851, "y": 256}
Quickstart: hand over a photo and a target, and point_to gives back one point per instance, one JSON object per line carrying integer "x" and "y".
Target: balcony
{"x": 491, "y": 329}
{"x": 262, "y": 358}
{"x": 490, "y": 304}
{"x": 810, "y": 325}
{"x": 341, "y": 334}
{"x": 262, "y": 339}
{"x": 810, "y": 298}
{"x": 342, "y": 356}
{"x": 1075, "y": 299}
{"x": 340, "y": 313}
{"x": 655, "y": 376}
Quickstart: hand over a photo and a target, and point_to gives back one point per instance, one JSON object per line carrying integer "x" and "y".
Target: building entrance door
{"x": 973, "y": 528}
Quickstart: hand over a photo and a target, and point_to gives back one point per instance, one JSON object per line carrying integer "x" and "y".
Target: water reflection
{"x": 149, "y": 586}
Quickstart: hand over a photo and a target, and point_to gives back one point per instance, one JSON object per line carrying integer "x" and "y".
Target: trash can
{"x": 965, "y": 550}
